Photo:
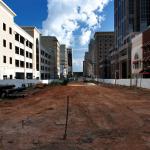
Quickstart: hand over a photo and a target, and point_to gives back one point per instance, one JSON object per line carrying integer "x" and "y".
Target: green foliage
{"x": 59, "y": 82}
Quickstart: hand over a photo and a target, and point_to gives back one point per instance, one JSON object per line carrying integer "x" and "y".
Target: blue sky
{"x": 73, "y": 23}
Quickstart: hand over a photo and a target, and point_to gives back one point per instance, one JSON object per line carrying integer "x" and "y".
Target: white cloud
{"x": 92, "y": 19}
{"x": 85, "y": 37}
{"x": 64, "y": 17}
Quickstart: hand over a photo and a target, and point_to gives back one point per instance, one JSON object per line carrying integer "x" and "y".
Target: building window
{"x": 10, "y": 76}
{"x": 21, "y": 52}
{"x": 42, "y": 53}
{"x": 27, "y": 54}
{"x": 17, "y": 50}
{"x": 27, "y": 43}
{"x": 30, "y": 45}
{"x": 4, "y": 43}
{"x": 4, "y": 59}
{"x": 17, "y": 37}
{"x": 4, "y": 26}
{"x": 27, "y": 65}
{"x": 22, "y": 64}
{"x": 46, "y": 55}
{"x": 4, "y": 77}
{"x": 10, "y": 30}
{"x": 31, "y": 65}
{"x": 17, "y": 63}
{"x": 30, "y": 55}
{"x": 10, "y": 60}
{"x": 22, "y": 39}
{"x": 10, "y": 45}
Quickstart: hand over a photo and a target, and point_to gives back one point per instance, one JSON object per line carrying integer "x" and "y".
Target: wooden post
{"x": 22, "y": 123}
{"x": 67, "y": 116}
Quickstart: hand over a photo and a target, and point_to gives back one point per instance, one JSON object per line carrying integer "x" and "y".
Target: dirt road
{"x": 100, "y": 118}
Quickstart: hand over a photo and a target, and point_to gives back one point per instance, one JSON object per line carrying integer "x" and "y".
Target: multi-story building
{"x": 137, "y": 55}
{"x": 70, "y": 69}
{"x": 146, "y": 54}
{"x": 45, "y": 63}
{"x": 103, "y": 42}
{"x": 131, "y": 16}
{"x": 113, "y": 58}
{"x": 23, "y": 54}
{"x": 63, "y": 61}
{"x": 7, "y": 38}
{"x": 18, "y": 48}
{"x": 42, "y": 57}
{"x": 84, "y": 68}
{"x": 87, "y": 68}
{"x": 141, "y": 55}
{"x": 52, "y": 45}
{"x": 92, "y": 58}
{"x": 35, "y": 34}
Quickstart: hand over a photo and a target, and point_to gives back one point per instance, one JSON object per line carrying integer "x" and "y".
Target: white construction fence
{"x": 21, "y": 83}
{"x": 141, "y": 83}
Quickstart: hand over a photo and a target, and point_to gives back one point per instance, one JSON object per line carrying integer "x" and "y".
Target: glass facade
{"x": 130, "y": 16}
{"x": 145, "y": 14}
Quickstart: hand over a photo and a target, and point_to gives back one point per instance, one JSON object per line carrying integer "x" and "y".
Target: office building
{"x": 70, "y": 67}
{"x": 89, "y": 63}
{"x": 35, "y": 34}
{"x": 52, "y": 45}
{"x": 17, "y": 48}
{"x": 63, "y": 61}
{"x": 131, "y": 16}
{"x": 45, "y": 63}
{"x": 141, "y": 55}
{"x": 7, "y": 39}
{"x": 25, "y": 54}
{"x": 86, "y": 65}
{"x": 103, "y": 42}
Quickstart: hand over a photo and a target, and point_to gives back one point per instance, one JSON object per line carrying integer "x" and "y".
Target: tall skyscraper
{"x": 103, "y": 42}
{"x": 131, "y": 16}
{"x": 70, "y": 69}
{"x": 63, "y": 61}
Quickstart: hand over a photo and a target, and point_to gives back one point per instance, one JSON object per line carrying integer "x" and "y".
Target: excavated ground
{"x": 100, "y": 118}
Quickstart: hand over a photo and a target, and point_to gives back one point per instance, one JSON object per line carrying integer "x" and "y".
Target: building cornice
{"x": 7, "y": 8}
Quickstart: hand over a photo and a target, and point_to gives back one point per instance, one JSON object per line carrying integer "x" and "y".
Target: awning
{"x": 145, "y": 71}
{"x": 135, "y": 62}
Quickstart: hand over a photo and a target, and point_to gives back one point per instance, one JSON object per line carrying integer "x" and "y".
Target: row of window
{"x": 45, "y": 68}
{"x": 5, "y": 60}
{"x": 45, "y": 61}
{"x": 5, "y": 28}
{"x": 18, "y": 37}
{"x": 17, "y": 62}
{"x": 22, "y": 64}
{"x": 137, "y": 65}
{"x": 45, "y": 54}
{"x": 5, "y": 45}
{"x": 22, "y": 52}
{"x": 22, "y": 40}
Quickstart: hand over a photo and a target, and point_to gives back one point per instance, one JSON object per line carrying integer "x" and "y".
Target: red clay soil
{"x": 100, "y": 118}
